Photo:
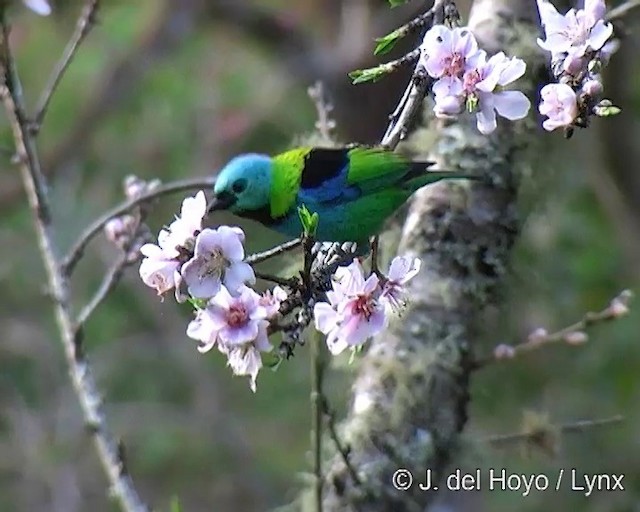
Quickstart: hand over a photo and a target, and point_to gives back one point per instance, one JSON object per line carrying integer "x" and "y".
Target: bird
{"x": 354, "y": 190}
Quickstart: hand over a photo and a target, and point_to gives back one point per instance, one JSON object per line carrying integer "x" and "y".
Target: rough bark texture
{"x": 411, "y": 394}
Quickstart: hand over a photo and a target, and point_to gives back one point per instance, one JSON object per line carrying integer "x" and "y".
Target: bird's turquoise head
{"x": 243, "y": 185}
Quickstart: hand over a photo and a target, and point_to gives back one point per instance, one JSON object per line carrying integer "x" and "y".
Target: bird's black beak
{"x": 221, "y": 201}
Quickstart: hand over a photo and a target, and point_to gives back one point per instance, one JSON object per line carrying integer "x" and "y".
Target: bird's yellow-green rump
{"x": 353, "y": 190}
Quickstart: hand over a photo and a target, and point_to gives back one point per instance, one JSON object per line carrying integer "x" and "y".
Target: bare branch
{"x": 534, "y": 435}
{"x": 71, "y": 259}
{"x": 342, "y": 450}
{"x": 419, "y": 85}
{"x": 83, "y": 382}
{"x": 275, "y": 251}
{"x": 109, "y": 282}
{"x": 622, "y": 10}
{"x": 573, "y": 334}
{"x": 282, "y": 281}
{"x": 325, "y": 125}
{"x": 85, "y": 22}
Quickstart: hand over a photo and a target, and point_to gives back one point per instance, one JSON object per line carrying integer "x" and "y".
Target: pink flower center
{"x": 364, "y": 306}
{"x": 454, "y": 64}
{"x": 471, "y": 78}
{"x": 237, "y": 316}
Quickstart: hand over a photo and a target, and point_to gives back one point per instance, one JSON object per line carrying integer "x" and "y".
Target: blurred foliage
{"x": 196, "y": 435}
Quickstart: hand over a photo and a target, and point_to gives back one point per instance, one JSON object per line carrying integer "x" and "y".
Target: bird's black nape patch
{"x": 322, "y": 164}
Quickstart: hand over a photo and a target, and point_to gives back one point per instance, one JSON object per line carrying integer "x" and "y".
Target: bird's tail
{"x": 418, "y": 176}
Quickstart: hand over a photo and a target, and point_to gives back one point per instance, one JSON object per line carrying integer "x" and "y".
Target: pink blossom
{"x": 217, "y": 259}
{"x": 448, "y": 52}
{"x": 40, "y": 7}
{"x": 592, "y": 87}
{"x": 401, "y": 271}
{"x": 237, "y": 320}
{"x": 204, "y": 329}
{"x": 354, "y": 312}
{"x": 271, "y": 300}
{"x": 237, "y": 326}
{"x": 159, "y": 268}
{"x": 559, "y": 104}
{"x": 479, "y": 91}
{"x": 246, "y": 360}
{"x": 576, "y": 31}
{"x": 185, "y": 227}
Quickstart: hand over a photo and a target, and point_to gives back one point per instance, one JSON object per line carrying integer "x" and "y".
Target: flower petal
{"x": 229, "y": 242}
{"x": 40, "y": 7}
{"x": 513, "y": 69}
{"x": 600, "y": 34}
{"x": 325, "y": 317}
{"x": 486, "y": 115}
{"x": 238, "y": 274}
{"x": 511, "y": 104}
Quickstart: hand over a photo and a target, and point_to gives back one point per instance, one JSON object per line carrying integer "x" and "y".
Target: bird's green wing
{"x": 375, "y": 165}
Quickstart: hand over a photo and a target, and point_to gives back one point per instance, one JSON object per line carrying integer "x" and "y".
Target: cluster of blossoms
{"x": 358, "y": 309}
{"x": 206, "y": 267}
{"x": 580, "y": 45}
{"x": 467, "y": 79}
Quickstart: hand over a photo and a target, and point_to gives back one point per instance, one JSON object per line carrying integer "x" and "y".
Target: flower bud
{"x": 592, "y": 88}
{"x": 134, "y": 187}
{"x": 115, "y": 229}
{"x": 537, "y": 336}
{"x": 618, "y": 308}
{"x": 504, "y": 351}
{"x": 576, "y": 338}
{"x": 119, "y": 230}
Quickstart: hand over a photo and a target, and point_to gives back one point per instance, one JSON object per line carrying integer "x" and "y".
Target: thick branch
{"x": 410, "y": 397}
{"x": 84, "y": 385}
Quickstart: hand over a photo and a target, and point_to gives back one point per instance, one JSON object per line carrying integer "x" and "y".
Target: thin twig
{"x": 375, "y": 246}
{"x": 109, "y": 282}
{"x": 333, "y": 433}
{"x": 325, "y": 125}
{"x": 418, "y": 87}
{"x": 71, "y": 259}
{"x": 275, "y": 251}
{"x": 416, "y": 23}
{"x": 577, "y": 426}
{"x": 622, "y": 10}
{"x": 397, "y": 130}
{"x": 572, "y": 334}
{"x": 317, "y": 400}
{"x": 84, "y": 385}
{"x": 85, "y": 22}
{"x": 282, "y": 281}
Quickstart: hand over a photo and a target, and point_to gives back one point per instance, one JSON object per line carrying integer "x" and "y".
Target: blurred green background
{"x": 170, "y": 89}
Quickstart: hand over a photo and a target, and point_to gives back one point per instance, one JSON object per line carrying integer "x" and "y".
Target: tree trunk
{"x": 411, "y": 393}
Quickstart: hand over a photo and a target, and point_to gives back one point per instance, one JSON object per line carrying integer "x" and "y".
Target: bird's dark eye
{"x": 239, "y": 185}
